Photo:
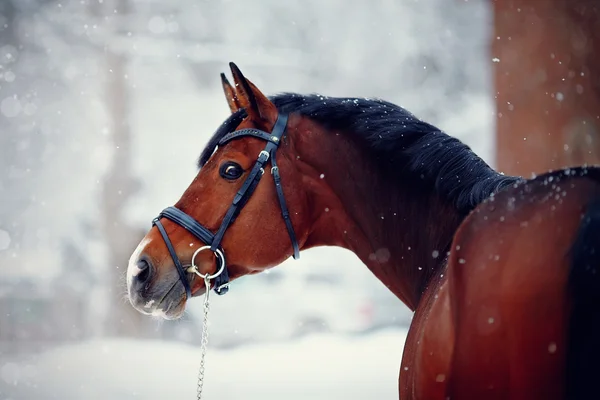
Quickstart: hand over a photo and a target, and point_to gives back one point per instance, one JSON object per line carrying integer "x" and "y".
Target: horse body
{"x": 497, "y": 324}
{"x": 489, "y": 263}
{"x": 513, "y": 261}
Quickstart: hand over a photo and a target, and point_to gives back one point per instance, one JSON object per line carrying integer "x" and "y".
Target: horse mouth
{"x": 171, "y": 304}
{"x": 169, "y": 308}
{"x": 174, "y": 310}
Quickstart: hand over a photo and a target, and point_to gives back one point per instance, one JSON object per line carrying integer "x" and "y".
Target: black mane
{"x": 399, "y": 143}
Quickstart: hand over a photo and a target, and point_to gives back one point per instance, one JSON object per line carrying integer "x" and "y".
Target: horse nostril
{"x": 145, "y": 271}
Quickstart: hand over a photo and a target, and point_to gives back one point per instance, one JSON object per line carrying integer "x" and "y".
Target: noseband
{"x": 212, "y": 240}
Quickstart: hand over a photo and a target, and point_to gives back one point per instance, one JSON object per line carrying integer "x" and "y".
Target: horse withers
{"x": 502, "y": 272}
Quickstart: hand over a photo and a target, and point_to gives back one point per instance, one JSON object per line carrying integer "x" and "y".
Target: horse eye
{"x": 231, "y": 170}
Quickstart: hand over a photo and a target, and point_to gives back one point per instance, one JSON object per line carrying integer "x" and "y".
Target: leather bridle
{"x": 212, "y": 240}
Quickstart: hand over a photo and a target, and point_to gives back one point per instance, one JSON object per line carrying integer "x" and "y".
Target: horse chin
{"x": 171, "y": 310}
{"x": 170, "y": 307}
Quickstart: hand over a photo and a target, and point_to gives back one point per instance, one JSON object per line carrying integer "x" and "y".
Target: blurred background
{"x": 105, "y": 106}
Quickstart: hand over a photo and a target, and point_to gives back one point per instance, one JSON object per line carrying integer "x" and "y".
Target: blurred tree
{"x": 20, "y": 142}
{"x": 119, "y": 184}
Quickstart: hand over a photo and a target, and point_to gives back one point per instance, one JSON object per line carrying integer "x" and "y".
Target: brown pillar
{"x": 546, "y": 57}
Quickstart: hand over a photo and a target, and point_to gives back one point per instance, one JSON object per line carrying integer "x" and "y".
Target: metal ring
{"x": 220, "y": 259}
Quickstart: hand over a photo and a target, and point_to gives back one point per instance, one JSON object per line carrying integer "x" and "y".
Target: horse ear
{"x": 257, "y": 105}
{"x": 230, "y": 94}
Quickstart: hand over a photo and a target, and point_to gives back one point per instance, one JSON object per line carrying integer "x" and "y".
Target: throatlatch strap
{"x": 284, "y": 209}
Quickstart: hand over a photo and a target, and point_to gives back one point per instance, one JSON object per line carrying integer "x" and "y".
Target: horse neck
{"x": 400, "y": 232}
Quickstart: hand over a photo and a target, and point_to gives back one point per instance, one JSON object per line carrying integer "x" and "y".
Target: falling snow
{"x": 53, "y": 98}
{"x": 157, "y": 25}
{"x": 10, "y": 107}
{"x": 9, "y": 76}
{"x": 11, "y": 373}
{"x": 4, "y": 240}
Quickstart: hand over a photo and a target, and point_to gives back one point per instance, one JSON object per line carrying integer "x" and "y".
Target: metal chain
{"x": 204, "y": 340}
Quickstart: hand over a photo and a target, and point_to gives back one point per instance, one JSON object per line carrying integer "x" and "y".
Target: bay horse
{"x": 500, "y": 271}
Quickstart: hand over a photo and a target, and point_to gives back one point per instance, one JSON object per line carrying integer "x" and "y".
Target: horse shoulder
{"x": 428, "y": 348}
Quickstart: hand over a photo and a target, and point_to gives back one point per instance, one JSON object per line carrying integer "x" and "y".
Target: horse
{"x": 500, "y": 271}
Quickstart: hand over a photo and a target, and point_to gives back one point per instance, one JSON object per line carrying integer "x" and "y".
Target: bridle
{"x": 212, "y": 240}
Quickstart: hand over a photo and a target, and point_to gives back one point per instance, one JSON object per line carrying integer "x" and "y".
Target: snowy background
{"x": 104, "y": 108}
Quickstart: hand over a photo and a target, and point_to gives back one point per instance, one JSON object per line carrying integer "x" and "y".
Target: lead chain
{"x": 204, "y": 340}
